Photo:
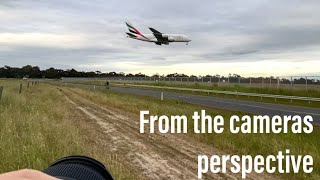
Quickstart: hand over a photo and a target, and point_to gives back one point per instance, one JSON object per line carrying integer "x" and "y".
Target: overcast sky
{"x": 247, "y": 37}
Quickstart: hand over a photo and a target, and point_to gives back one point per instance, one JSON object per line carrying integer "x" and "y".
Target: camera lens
{"x": 78, "y": 168}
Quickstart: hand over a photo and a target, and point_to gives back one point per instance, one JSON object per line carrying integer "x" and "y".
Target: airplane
{"x": 156, "y": 37}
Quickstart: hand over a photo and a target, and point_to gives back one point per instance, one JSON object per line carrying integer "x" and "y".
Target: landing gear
{"x": 187, "y": 43}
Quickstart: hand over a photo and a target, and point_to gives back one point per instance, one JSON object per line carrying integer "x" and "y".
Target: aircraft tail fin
{"x": 133, "y": 30}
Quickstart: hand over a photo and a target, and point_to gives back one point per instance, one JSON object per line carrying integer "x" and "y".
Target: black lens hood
{"x": 78, "y": 168}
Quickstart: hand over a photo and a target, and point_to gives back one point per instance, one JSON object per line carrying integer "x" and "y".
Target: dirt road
{"x": 154, "y": 156}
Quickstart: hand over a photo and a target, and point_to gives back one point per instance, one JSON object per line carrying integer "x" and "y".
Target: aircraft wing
{"x": 154, "y": 31}
{"x": 158, "y": 35}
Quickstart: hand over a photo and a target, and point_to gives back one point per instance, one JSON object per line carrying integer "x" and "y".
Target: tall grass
{"x": 38, "y": 127}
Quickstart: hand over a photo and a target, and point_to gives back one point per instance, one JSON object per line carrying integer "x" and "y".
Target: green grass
{"x": 237, "y": 88}
{"x": 313, "y": 91}
{"x": 253, "y": 144}
{"x": 37, "y": 127}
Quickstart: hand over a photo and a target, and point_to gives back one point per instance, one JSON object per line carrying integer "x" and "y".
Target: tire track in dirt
{"x": 155, "y": 156}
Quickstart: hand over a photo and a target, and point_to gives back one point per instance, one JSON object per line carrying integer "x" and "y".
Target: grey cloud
{"x": 46, "y": 55}
{"x": 9, "y": 3}
{"x": 221, "y": 31}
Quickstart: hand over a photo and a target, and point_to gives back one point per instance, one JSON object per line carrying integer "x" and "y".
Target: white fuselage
{"x": 169, "y": 37}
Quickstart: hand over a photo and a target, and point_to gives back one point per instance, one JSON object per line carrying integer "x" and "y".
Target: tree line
{"x": 52, "y": 73}
{"x": 29, "y": 71}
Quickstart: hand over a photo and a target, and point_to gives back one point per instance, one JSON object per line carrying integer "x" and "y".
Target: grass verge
{"x": 38, "y": 127}
{"x": 235, "y": 88}
{"x": 241, "y": 144}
